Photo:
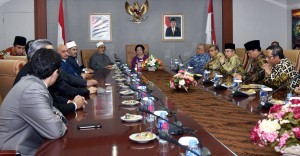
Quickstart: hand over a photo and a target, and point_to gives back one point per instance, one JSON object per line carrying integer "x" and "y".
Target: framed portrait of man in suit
{"x": 172, "y": 27}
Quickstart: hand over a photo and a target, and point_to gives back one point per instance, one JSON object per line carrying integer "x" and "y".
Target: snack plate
{"x": 126, "y": 92}
{"x": 186, "y": 139}
{"x": 249, "y": 86}
{"x": 249, "y": 92}
{"x": 133, "y": 138}
{"x": 130, "y": 102}
{"x": 134, "y": 119}
{"x": 277, "y": 102}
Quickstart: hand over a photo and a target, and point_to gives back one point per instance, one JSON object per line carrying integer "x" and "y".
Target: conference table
{"x": 112, "y": 138}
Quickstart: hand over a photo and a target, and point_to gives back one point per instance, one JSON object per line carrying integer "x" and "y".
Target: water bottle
{"x": 128, "y": 80}
{"x": 150, "y": 107}
{"x": 139, "y": 65}
{"x": 235, "y": 84}
{"x": 190, "y": 70}
{"x": 193, "y": 147}
{"x": 142, "y": 92}
{"x": 171, "y": 64}
{"x": 287, "y": 99}
{"x": 217, "y": 80}
{"x": 263, "y": 93}
{"x": 206, "y": 75}
{"x": 162, "y": 125}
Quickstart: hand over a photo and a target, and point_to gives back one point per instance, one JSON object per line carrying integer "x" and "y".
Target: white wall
{"x": 16, "y": 18}
{"x": 265, "y": 20}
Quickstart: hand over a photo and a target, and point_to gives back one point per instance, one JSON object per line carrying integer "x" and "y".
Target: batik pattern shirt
{"x": 283, "y": 73}
{"x": 198, "y": 62}
{"x": 254, "y": 71}
{"x": 232, "y": 65}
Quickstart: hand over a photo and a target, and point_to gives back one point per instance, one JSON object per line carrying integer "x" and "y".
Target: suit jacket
{"x": 73, "y": 62}
{"x": 60, "y": 87}
{"x": 169, "y": 33}
{"x": 66, "y": 66}
{"x": 27, "y": 115}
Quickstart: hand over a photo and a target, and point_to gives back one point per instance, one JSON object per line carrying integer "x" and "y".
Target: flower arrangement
{"x": 182, "y": 79}
{"x": 151, "y": 61}
{"x": 281, "y": 128}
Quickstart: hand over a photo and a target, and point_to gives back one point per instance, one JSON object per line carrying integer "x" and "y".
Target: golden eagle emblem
{"x": 137, "y": 11}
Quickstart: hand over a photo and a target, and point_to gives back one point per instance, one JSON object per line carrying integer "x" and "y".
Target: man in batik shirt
{"x": 214, "y": 64}
{"x": 279, "y": 71}
{"x": 232, "y": 64}
{"x": 254, "y": 71}
{"x": 199, "y": 60}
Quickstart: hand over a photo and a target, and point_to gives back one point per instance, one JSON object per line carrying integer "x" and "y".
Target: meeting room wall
{"x": 126, "y": 32}
{"x": 265, "y": 20}
{"x": 16, "y": 18}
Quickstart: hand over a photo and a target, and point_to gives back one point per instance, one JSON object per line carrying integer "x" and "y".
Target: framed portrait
{"x": 172, "y": 27}
{"x": 100, "y": 27}
{"x": 295, "y": 27}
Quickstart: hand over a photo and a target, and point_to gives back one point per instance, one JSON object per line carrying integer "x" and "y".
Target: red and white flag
{"x": 210, "y": 25}
{"x": 61, "y": 25}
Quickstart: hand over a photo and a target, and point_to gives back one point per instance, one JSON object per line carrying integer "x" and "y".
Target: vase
{"x": 289, "y": 151}
{"x": 186, "y": 89}
{"x": 151, "y": 68}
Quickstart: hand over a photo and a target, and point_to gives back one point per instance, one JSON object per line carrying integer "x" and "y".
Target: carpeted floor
{"x": 227, "y": 122}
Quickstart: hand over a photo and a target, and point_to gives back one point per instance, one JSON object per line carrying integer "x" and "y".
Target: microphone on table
{"x": 268, "y": 104}
{"x": 172, "y": 140}
{"x": 173, "y": 127}
{"x": 237, "y": 93}
{"x": 160, "y": 103}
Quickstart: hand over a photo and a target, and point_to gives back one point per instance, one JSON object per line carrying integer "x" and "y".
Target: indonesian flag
{"x": 167, "y": 22}
{"x": 61, "y": 25}
{"x": 210, "y": 25}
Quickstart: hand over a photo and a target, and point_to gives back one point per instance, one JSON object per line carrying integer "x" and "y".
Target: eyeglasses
{"x": 269, "y": 57}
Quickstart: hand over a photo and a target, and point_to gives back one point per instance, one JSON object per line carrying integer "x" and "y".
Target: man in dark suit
{"x": 60, "y": 86}
{"x": 72, "y": 60}
{"x": 173, "y": 31}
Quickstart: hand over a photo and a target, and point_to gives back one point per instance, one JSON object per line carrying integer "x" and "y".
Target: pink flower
{"x": 296, "y": 131}
{"x": 275, "y": 108}
{"x": 271, "y": 137}
{"x": 254, "y": 134}
{"x": 282, "y": 140}
{"x": 296, "y": 111}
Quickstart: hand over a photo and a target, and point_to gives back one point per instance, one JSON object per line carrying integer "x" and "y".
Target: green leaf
{"x": 274, "y": 144}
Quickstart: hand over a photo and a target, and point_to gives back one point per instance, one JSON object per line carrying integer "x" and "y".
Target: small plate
{"x": 249, "y": 86}
{"x": 249, "y": 92}
{"x": 120, "y": 79}
{"x": 130, "y": 102}
{"x": 126, "y": 92}
{"x": 123, "y": 86}
{"x": 276, "y": 102}
{"x": 159, "y": 111}
{"x": 132, "y": 117}
{"x": 134, "y": 137}
{"x": 186, "y": 139}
